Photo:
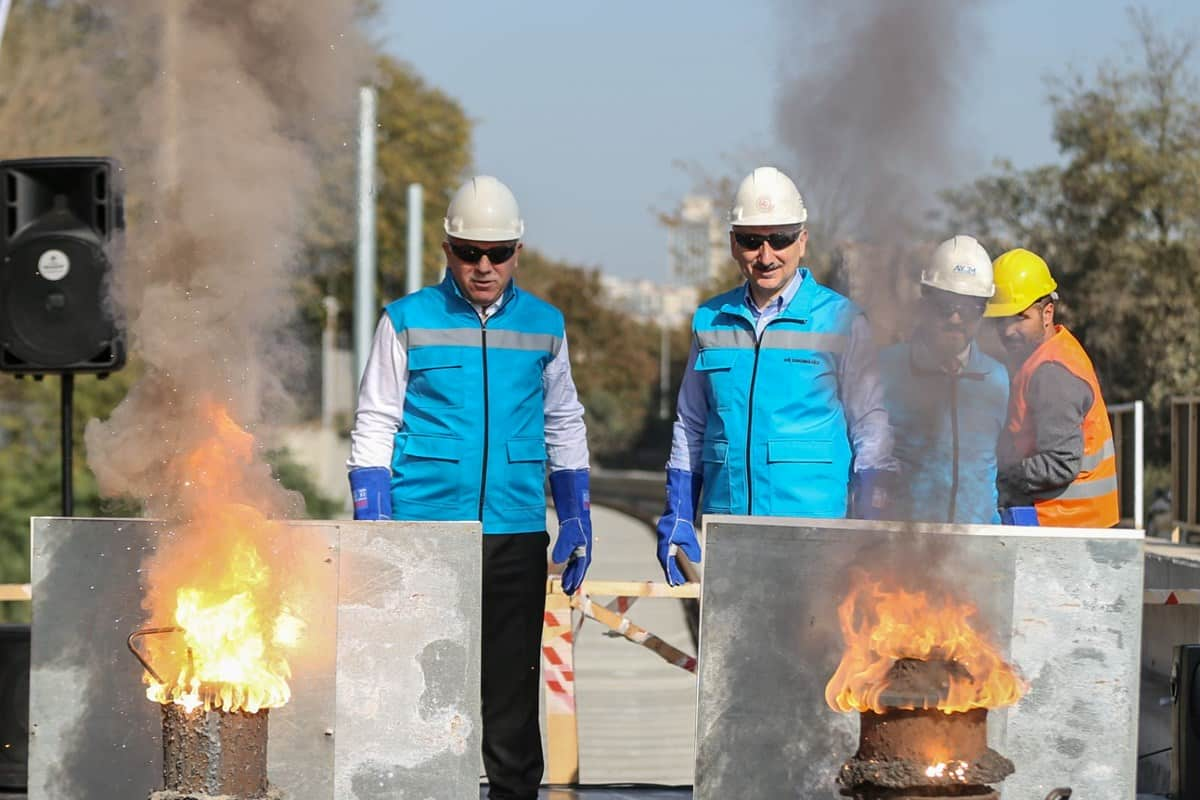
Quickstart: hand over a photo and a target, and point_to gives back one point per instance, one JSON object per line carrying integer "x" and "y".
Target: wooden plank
{"x": 15, "y": 592}
{"x": 629, "y": 589}
{"x": 558, "y": 679}
{"x": 634, "y": 633}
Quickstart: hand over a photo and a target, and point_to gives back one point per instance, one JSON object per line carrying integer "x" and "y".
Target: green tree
{"x": 424, "y": 137}
{"x": 613, "y": 357}
{"x": 50, "y": 98}
{"x": 1119, "y": 221}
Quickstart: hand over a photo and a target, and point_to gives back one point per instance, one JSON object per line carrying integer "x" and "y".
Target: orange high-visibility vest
{"x": 1089, "y": 501}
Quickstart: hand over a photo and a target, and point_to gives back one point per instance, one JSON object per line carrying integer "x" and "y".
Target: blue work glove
{"x": 871, "y": 493}
{"x": 569, "y": 487}
{"x": 677, "y": 526}
{"x": 371, "y": 489}
{"x": 1019, "y": 515}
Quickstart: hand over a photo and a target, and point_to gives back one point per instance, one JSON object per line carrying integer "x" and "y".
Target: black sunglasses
{"x": 948, "y": 304}
{"x": 471, "y": 254}
{"x": 778, "y": 241}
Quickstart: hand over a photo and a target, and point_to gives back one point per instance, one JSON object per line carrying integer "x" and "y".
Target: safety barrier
{"x": 1128, "y": 427}
{"x": 564, "y": 616}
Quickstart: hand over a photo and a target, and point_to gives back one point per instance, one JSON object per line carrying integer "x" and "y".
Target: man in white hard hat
{"x": 946, "y": 398}
{"x": 467, "y": 397}
{"x": 780, "y": 411}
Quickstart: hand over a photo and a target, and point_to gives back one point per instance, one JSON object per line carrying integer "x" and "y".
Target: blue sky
{"x": 584, "y": 108}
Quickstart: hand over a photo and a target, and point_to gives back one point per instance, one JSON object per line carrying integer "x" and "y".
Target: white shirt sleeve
{"x": 691, "y": 418}
{"x": 566, "y": 434}
{"x": 861, "y": 391}
{"x": 380, "y": 400}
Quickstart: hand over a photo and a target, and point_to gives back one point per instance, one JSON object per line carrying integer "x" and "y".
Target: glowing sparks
{"x": 955, "y": 770}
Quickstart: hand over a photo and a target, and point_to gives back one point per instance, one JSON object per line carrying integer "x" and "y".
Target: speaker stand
{"x": 68, "y": 396}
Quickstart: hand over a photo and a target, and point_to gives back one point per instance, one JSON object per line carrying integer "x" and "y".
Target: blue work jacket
{"x": 946, "y": 428}
{"x": 775, "y": 440}
{"x": 472, "y": 441}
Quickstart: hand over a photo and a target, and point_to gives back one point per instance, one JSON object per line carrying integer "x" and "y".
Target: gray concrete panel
{"x": 410, "y": 591}
{"x": 1065, "y": 606}
{"x": 408, "y": 662}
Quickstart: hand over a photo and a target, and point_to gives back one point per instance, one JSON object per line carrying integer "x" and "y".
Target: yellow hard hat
{"x": 1022, "y": 278}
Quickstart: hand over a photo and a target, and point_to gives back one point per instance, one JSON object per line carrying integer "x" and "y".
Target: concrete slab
{"x": 1064, "y": 604}
{"x": 385, "y": 692}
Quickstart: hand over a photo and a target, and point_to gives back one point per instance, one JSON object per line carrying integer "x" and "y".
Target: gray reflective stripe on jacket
{"x": 726, "y": 338}
{"x": 469, "y": 337}
{"x": 1092, "y": 462}
{"x": 773, "y": 338}
{"x": 1085, "y": 490}
{"x": 804, "y": 340}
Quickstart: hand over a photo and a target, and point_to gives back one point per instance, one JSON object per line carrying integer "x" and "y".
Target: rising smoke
{"x": 220, "y": 159}
{"x": 221, "y": 155}
{"x": 868, "y": 108}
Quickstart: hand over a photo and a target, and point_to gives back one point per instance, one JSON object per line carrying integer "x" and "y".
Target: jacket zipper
{"x": 483, "y": 477}
{"x": 750, "y": 419}
{"x": 954, "y": 446}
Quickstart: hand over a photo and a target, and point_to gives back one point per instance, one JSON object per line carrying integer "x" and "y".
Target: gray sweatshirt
{"x": 1058, "y": 401}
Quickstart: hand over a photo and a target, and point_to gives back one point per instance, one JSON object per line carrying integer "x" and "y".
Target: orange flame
{"x": 881, "y": 626}
{"x": 235, "y": 628}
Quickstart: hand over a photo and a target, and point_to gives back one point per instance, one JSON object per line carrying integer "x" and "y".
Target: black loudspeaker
{"x": 1185, "y": 724}
{"x": 14, "y": 707}
{"x": 61, "y": 221}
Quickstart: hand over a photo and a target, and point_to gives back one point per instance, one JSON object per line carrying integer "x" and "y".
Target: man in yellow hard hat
{"x": 1056, "y": 455}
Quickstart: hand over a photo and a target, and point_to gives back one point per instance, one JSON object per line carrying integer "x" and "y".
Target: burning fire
{"x": 882, "y": 626}
{"x": 233, "y": 629}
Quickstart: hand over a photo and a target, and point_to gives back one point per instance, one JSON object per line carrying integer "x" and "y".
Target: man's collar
{"x": 924, "y": 358}
{"x": 509, "y": 291}
{"x": 782, "y": 300}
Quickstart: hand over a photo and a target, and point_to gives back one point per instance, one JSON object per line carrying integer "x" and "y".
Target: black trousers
{"x": 514, "y": 602}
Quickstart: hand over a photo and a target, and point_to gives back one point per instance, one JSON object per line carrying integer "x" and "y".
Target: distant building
{"x": 651, "y": 302}
{"x": 697, "y": 249}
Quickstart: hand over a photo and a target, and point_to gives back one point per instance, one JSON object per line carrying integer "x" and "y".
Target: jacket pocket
{"x": 801, "y": 476}
{"x": 525, "y": 479}
{"x": 435, "y": 378}
{"x": 717, "y": 367}
{"x": 717, "y": 490}
{"x": 427, "y": 472}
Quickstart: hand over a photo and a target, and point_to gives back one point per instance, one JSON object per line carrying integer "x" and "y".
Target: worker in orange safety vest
{"x": 1057, "y": 463}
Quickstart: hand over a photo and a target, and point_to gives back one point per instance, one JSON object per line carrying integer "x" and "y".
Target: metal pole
{"x": 416, "y": 221}
{"x": 328, "y": 345}
{"x": 1139, "y": 465}
{"x": 172, "y": 23}
{"x": 5, "y": 7}
{"x": 68, "y": 415}
{"x": 365, "y": 307}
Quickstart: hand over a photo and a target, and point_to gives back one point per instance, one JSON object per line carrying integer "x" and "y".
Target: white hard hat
{"x": 960, "y": 265}
{"x": 484, "y": 209}
{"x": 767, "y": 197}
